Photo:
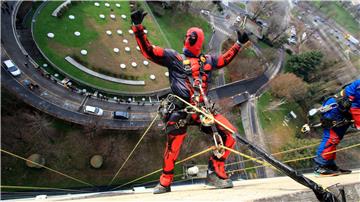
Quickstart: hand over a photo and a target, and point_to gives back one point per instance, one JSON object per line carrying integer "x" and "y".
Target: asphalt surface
{"x": 62, "y": 103}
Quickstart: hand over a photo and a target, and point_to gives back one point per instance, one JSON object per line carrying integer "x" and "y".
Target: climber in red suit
{"x": 183, "y": 81}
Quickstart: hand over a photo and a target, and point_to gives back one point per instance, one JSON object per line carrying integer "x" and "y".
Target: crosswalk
{"x": 221, "y": 30}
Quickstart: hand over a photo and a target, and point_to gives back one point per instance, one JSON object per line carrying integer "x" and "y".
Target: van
{"x": 93, "y": 110}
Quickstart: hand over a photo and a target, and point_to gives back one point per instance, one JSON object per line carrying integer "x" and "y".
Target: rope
{"x": 156, "y": 171}
{"x": 40, "y": 188}
{"x": 137, "y": 144}
{"x": 204, "y": 113}
{"x": 294, "y": 149}
{"x": 246, "y": 156}
{"x": 55, "y": 171}
{"x": 277, "y": 153}
{"x": 298, "y": 159}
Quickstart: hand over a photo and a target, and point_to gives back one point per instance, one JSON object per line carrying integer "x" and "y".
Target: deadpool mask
{"x": 193, "y": 41}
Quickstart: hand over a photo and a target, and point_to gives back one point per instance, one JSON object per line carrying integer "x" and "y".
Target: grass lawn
{"x": 271, "y": 120}
{"x": 340, "y": 15}
{"x": 99, "y": 45}
{"x": 175, "y": 24}
{"x": 240, "y": 5}
{"x": 238, "y": 121}
{"x": 263, "y": 45}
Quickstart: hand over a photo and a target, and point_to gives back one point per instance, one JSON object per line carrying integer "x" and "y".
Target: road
{"x": 65, "y": 104}
{"x": 331, "y": 36}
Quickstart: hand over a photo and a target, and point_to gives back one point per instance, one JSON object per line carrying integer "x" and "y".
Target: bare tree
{"x": 39, "y": 124}
{"x": 288, "y": 86}
{"x": 260, "y": 8}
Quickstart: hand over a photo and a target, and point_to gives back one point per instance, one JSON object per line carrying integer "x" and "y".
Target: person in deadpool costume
{"x": 187, "y": 73}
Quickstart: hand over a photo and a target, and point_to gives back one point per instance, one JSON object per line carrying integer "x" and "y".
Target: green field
{"x": 241, "y": 5}
{"x": 175, "y": 24}
{"x": 340, "y": 15}
{"x": 86, "y": 20}
{"x": 63, "y": 28}
{"x": 271, "y": 120}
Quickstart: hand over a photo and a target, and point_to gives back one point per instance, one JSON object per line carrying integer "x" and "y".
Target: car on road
{"x": 205, "y": 12}
{"x": 292, "y": 40}
{"x": 12, "y": 68}
{"x": 121, "y": 115}
{"x": 93, "y": 110}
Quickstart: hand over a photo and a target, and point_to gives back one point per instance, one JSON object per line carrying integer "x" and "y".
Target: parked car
{"x": 121, "y": 115}
{"x": 12, "y": 68}
{"x": 292, "y": 40}
{"x": 205, "y": 12}
{"x": 93, "y": 110}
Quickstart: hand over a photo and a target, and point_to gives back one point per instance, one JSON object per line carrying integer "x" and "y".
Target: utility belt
{"x": 170, "y": 105}
{"x": 329, "y": 123}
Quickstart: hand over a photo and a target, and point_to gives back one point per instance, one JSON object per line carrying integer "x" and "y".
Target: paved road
{"x": 331, "y": 36}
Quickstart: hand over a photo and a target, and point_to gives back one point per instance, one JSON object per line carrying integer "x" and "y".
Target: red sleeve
{"x": 151, "y": 52}
{"x": 225, "y": 59}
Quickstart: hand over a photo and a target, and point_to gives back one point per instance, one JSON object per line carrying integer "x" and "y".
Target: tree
{"x": 260, "y": 8}
{"x": 304, "y": 65}
{"x": 296, "y": 143}
{"x": 288, "y": 86}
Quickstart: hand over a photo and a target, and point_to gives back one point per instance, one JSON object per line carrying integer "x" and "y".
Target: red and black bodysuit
{"x": 182, "y": 87}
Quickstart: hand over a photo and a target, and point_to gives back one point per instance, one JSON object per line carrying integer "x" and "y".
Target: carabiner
{"x": 190, "y": 110}
{"x": 219, "y": 151}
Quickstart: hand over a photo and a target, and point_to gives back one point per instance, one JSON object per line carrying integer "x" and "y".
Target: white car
{"x": 93, "y": 110}
{"x": 238, "y": 19}
{"x": 205, "y": 12}
{"x": 12, "y": 68}
{"x": 292, "y": 40}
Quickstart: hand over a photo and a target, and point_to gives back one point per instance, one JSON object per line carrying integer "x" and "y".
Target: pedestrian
{"x": 190, "y": 74}
{"x": 26, "y": 64}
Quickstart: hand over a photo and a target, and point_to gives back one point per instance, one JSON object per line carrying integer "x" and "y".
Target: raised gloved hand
{"x": 138, "y": 16}
{"x": 242, "y": 37}
{"x": 305, "y": 128}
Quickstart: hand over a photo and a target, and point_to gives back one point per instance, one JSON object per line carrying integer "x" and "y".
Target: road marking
{"x": 222, "y": 30}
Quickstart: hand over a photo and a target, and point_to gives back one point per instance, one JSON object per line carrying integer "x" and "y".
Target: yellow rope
{"x": 156, "y": 171}
{"x": 137, "y": 144}
{"x": 205, "y": 114}
{"x": 246, "y": 156}
{"x": 55, "y": 171}
{"x": 40, "y": 188}
{"x": 274, "y": 154}
{"x": 291, "y": 150}
{"x": 298, "y": 159}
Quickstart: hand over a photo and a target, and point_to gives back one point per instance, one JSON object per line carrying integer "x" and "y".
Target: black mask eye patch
{"x": 193, "y": 38}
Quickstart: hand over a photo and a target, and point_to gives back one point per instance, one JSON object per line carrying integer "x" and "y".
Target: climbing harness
{"x": 328, "y": 122}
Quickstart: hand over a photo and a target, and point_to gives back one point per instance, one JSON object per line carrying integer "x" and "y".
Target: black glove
{"x": 242, "y": 37}
{"x": 138, "y": 16}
